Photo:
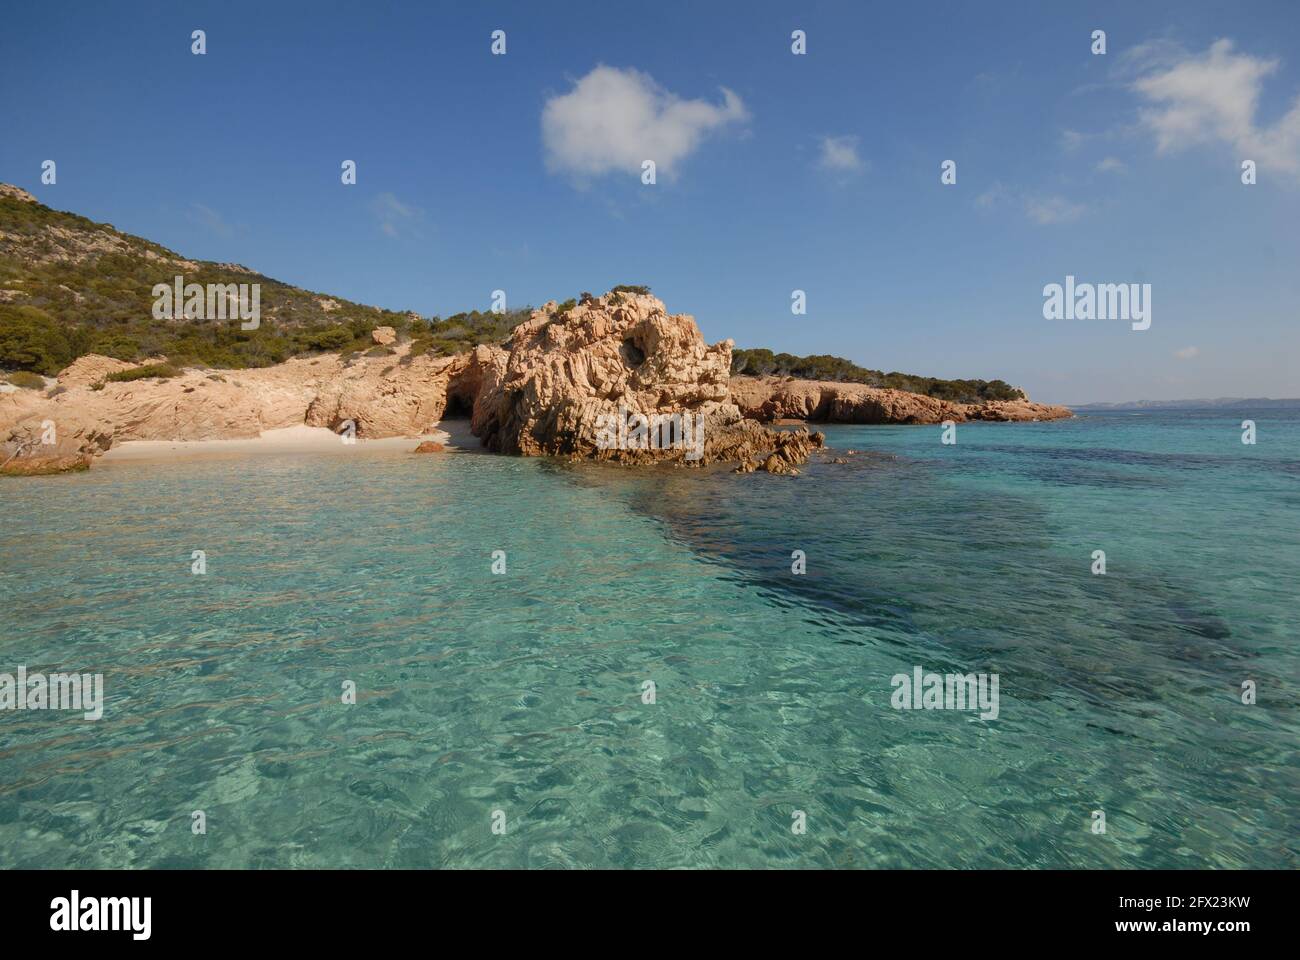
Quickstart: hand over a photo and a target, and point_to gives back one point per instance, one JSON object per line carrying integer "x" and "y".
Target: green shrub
{"x": 631, "y": 288}
{"x": 26, "y": 380}
{"x": 162, "y": 371}
{"x": 116, "y": 345}
{"x": 334, "y": 338}
{"x": 30, "y": 339}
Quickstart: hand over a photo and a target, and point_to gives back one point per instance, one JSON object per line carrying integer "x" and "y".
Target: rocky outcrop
{"x": 395, "y": 396}
{"x": 792, "y": 448}
{"x": 1016, "y": 410}
{"x": 778, "y": 398}
{"x": 91, "y": 369}
{"x": 16, "y": 193}
{"x": 390, "y": 396}
{"x": 383, "y": 336}
{"x": 618, "y": 378}
{"x": 36, "y": 428}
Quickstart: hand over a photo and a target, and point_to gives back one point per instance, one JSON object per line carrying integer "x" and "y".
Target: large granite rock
{"x": 619, "y": 378}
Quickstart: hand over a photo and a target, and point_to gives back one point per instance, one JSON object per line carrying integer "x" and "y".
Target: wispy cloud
{"x": 1052, "y": 209}
{"x": 840, "y": 154}
{"x": 206, "y": 217}
{"x": 613, "y": 120}
{"x": 994, "y": 196}
{"x": 1071, "y": 140}
{"x": 393, "y": 215}
{"x": 1043, "y": 209}
{"x": 1187, "y": 353}
{"x": 1111, "y": 165}
{"x": 1213, "y": 97}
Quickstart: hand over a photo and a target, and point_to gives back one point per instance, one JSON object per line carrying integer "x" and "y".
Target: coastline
{"x": 544, "y": 392}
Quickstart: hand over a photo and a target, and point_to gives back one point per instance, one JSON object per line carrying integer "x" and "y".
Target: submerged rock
{"x": 43, "y": 466}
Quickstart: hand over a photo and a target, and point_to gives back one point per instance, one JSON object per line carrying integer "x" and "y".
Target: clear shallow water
{"x": 521, "y": 692}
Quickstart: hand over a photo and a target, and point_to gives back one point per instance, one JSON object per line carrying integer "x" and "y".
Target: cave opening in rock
{"x": 458, "y": 407}
{"x": 632, "y": 355}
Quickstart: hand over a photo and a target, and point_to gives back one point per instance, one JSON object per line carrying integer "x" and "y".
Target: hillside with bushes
{"x": 70, "y": 286}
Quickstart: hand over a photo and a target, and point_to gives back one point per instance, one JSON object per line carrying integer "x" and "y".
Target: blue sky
{"x": 777, "y": 172}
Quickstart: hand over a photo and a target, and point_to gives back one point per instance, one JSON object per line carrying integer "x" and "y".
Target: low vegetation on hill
{"x": 762, "y": 362}
{"x": 70, "y": 286}
{"x": 464, "y": 331}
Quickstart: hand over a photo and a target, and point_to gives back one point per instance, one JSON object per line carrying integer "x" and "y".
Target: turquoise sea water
{"x": 522, "y": 692}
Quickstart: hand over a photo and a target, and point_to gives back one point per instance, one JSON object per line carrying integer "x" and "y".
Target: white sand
{"x": 300, "y": 439}
{"x": 456, "y": 435}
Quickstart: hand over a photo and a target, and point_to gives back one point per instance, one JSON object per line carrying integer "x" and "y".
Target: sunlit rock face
{"x": 618, "y": 378}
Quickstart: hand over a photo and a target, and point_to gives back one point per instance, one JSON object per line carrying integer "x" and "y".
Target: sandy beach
{"x": 454, "y": 435}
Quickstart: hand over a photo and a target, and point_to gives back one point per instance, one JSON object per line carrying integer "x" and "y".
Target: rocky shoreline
{"x": 782, "y": 399}
{"x": 619, "y": 358}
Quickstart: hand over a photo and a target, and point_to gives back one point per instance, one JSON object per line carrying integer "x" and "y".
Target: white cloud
{"x": 613, "y": 120}
{"x": 840, "y": 154}
{"x": 393, "y": 214}
{"x": 1186, "y": 353}
{"x": 1213, "y": 97}
{"x": 1111, "y": 165}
